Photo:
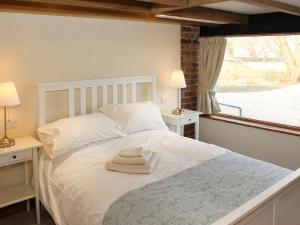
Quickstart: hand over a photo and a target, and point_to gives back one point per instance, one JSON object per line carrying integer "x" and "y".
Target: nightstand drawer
{"x": 189, "y": 120}
{"x": 15, "y": 157}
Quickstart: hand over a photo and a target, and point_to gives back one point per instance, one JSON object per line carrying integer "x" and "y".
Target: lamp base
{"x": 6, "y": 142}
{"x": 178, "y": 111}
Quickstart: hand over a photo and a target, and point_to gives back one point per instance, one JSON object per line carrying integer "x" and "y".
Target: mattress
{"x": 77, "y": 190}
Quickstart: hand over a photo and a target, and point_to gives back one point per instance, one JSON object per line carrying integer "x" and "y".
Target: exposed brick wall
{"x": 189, "y": 65}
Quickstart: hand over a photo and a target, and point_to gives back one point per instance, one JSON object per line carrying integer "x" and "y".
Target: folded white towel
{"x": 133, "y": 160}
{"x": 132, "y": 152}
{"x": 136, "y": 169}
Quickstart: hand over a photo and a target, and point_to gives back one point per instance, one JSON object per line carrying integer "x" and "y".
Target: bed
{"x": 188, "y": 179}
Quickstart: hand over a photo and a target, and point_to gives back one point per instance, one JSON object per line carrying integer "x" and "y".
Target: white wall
{"x": 277, "y": 148}
{"x": 40, "y": 48}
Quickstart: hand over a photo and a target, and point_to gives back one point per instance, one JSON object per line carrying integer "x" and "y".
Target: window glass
{"x": 260, "y": 79}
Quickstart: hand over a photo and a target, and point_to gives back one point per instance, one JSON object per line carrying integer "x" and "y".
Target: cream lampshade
{"x": 8, "y": 97}
{"x": 178, "y": 81}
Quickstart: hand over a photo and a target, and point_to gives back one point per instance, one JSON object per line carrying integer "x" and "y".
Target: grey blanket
{"x": 197, "y": 196}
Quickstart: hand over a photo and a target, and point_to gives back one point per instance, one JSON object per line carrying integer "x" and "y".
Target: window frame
{"x": 253, "y": 123}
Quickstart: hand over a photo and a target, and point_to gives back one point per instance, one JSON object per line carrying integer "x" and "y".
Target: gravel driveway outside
{"x": 278, "y": 105}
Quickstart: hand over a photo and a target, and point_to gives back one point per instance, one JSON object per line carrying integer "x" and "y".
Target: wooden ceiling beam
{"x": 259, "y": 24}
{"x": 272, "y": 4}
{"x": 122, "y": 5}
{"x": 128, "y": 9}
{"x": 158, "y": 8}
{"x": 204, "y": 2}
{"x": 180, "y": 3}
{"x": 55, "y": 9}
{"x": 207, "y": 15}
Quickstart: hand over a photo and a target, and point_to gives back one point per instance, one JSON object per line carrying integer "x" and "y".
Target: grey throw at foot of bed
{"x": 197, "y": 196}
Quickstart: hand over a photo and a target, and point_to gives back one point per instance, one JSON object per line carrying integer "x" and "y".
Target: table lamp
{"x": 178, "y": 81}
{"x": 8, "y": 97}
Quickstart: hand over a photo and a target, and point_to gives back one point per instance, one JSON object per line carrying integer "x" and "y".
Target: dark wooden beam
{"x": 66, "y": 10}
{"x": 209, "y": 15}
{"x": 112, "y": 8}
{"x": 260, "y": 24}
{"x": 167, "y": 2}
{"x": 158, "y": 8}
{"x": 122, "y": 5}
{"x": 204, "y": 2}
{"x": 272, "y": 4}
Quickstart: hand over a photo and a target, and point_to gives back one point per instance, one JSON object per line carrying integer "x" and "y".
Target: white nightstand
{"x": 178, "y": 121}
{"x": 24, "y": 150}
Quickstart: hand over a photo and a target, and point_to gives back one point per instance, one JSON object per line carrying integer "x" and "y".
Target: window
{"x": 260, "y": 79}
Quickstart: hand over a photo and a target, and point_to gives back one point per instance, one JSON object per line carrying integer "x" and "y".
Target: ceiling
{"x": 200, "y": 12}
{"x": 291, "y": 2}
{"x": 239, "y": 7}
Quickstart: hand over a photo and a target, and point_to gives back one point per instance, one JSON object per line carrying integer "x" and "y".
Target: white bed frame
{"x": 71, "y": 86}
{"x": 278, "y": 205}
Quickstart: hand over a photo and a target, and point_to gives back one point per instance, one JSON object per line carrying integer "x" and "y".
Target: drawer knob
{"x": 14, "y": 156}
{"x": 190, "y": 119}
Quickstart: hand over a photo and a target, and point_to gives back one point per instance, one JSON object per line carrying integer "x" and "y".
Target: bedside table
{"x": 178, "y": 121}
{"x": 24, "y": 150}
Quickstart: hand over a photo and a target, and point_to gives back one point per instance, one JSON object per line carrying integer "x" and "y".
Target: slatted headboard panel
{"x": 71, "y": 86}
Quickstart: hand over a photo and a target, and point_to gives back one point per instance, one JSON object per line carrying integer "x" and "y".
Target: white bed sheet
{"x": 77, "y": 190}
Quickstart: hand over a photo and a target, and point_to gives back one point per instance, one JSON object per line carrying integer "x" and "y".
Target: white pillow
{"x": 67, "y": 134}
{"x": 135, "y": 117}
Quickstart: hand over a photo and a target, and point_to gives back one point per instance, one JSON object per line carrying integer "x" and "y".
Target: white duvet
{"x": 77, "y": 190}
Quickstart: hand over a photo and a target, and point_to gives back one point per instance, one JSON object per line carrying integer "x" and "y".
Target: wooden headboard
{"x": 82, "y": 85}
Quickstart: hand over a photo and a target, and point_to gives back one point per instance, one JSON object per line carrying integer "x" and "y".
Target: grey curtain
{"x": 211, "y": 57}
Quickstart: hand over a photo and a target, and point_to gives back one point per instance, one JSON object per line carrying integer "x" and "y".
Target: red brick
{"x": 190, "y": 66}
